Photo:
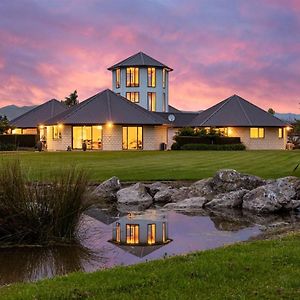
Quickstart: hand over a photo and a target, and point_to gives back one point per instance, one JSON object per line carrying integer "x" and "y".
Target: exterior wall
{"x": 153, "y": 136}
{"x": 271, "y": 141}
{"x": 112, "y": 137}
{"x": 143, "y": 88}
{"x": 59, "y": 144}
{"x": 171, "y": 133}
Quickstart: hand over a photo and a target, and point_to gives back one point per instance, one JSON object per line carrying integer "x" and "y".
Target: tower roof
{"x": 139, "y": 60}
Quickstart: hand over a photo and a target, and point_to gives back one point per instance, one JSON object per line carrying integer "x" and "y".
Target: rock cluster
{"x": 228, "y": 189}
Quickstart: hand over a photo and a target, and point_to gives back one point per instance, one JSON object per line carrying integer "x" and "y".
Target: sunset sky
{"x": 216, "y": 47}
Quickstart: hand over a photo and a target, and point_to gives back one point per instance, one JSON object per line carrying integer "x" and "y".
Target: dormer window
{"x": 151, "y": 77}
{"x": 132, "y": 77}
{"x": 118, "y": 78}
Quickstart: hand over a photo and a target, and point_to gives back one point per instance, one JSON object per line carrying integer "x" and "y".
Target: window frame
{"x": 153, "y": 235}
{"x": 151, "y": 73}
{"x": 137, "y": 135}
{"x": 132, "y": 77}
{"x": 134, "y": 94}
{"x": 148, "y": 98}
{"x": 129, "y": 226}
{"x": 92, "y": 136}
{"x": 59, "y": 133}
{"x": 280, "y": 133}
{"x": 118, "y": 78}
{"x": 259, "y": 136}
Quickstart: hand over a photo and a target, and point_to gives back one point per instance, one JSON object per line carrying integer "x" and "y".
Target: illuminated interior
{"x": 118, "y": 232}
{"x": 56, "y": 132}
{"x": 151, "y": 234}
{"x": 257, "y": 133}
{"x": 132, "y": 138}
{"x": 91, "y": 135}
{"x": 132, "y": 233}
{"x": 132, "y": 76}
{"x": 152, "y": 101}
{"x": 280, "y": 133}
{"x": 133, "y": 96}
{"x": 151, "y": 77}
{"x": 118, "y": 78}
{"x": 24, "y": 131}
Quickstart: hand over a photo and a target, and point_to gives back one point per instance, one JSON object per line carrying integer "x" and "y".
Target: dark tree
{"x": 72, "y": 99}
{"x": 4, "y": 124}
{"x": 271, "y": 111}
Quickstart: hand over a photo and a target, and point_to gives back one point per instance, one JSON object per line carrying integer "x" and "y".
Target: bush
{"x": 230, "y": 147}
{"x": 19, "y": 140}
{"x": 8, "y": 147}
{"x": 175, "y": 146}
{"x": 40, "y": 213}
{"x": 219, "y": 140}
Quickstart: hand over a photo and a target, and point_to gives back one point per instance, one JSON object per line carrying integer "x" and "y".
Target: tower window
{"x": 133, "y": 96}
{"x": 164, "y": 78}
{"x": 151, "y": 77}
{"x": 132, "y": 76}
{"x": 118, "y": 78}
{"x": 164, "y": 102}
{"x": 152, "y": 101}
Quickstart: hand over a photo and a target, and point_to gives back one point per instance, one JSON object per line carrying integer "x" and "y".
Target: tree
{"x": 271, "y": 111}
{"x": 4, "y": 124}
{"x": 71, "y": 100}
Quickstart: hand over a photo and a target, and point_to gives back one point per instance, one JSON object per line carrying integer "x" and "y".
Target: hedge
{"x": 207, "y": 139}
{"x": 229, "y": 147}
{"x": 19, "y": 140}
{"x": 8, "y": 147}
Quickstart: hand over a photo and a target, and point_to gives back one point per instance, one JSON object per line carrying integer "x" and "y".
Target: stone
{"x": 282, "y": 194}
{"x": 201, "y": 188}
{"x": 165, "y": 195}
{"x": 135, "y": 196}
{"x": 180, "y": 194}
{"x": 227, "y": 200}
{"x": 156, "y": 187}
{"x": 107, "y": 189}
{"x": 190, "y": 203}
{"x": 230, "y": 180}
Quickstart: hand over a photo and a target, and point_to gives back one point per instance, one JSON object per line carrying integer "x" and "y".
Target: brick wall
{"x": 59, "y": 144}
{"x": 112, "y": 137}
{"x": 153, "y": 136}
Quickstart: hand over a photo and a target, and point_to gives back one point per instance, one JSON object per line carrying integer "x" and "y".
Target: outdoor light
{"x": 110, "y": 124}
{"x": 60, "y": 125}
{"x": 42, "y": 126}
{"x": 229, "y": 131}
{"x": 99, "y": 127}
{"x": 289, "y": 128}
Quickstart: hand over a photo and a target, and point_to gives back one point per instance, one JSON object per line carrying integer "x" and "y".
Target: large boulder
{"x": 180, "y": 194}
{"x": 107, "y": 190}
{"x": 157, "y": 187}
{"x": 188, "y": 204}
{"x": 164, "y": 195}
{"x": 227, "y": 200}
{"x": 134, "y": 197}
{"x": 231, "y": 180}
{"x": 201, "y": 188}
{"x": 281, "y": 194}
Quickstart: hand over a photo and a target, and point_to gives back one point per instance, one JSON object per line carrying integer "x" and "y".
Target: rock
{"x": 165, "y": 195}
{"x": 190, "y": 203}
{"x": 227, "y": 200}
{"x": 107, "y": 189}
{"x": 282, "y": 194}
{"x": 201, "y": 188}
{"x": 135, "y": 197}
{"x": 156, "y": 187}
{"x": 180, "y": 194}
{"x": 231, "y": 180}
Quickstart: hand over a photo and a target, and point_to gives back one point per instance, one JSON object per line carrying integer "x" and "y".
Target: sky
{"x": 217, "y": 48}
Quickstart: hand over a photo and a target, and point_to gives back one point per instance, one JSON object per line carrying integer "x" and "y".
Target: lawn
{"x": 252, "y": 270}
{"x": 160, "y": 165}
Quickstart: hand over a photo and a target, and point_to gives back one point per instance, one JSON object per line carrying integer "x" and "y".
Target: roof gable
{"x": 236, "y": 111}
{"x": 139, "y": 59}
{"x": 39, "y": 114}
{"x": 104, "y": 107}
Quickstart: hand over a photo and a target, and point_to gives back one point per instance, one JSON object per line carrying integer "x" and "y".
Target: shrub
{"x": 220, "y": 140}
{"x": 8, "y": 147}
{"x": 230, "y": 147}
{"x": 175, "y": 146}
{"x": 40, "y": 213}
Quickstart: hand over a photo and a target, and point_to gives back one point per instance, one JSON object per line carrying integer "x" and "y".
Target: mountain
{"x": 13, "y": 111}
{"x": 290, "y": 117}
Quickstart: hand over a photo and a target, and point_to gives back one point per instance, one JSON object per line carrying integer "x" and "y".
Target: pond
{"x": 183, "y": 233}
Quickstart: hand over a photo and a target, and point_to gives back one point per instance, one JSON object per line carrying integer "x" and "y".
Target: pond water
{"x": 185, "y": 233}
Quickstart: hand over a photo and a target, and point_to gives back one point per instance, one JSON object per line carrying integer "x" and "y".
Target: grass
{"x": 254, "y": 270}
{"x": 159, "y": 165}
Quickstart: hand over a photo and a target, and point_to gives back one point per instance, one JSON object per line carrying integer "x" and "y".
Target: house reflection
{"x": 141, "y": 234}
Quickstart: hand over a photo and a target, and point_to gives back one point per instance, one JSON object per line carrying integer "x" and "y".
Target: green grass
{"x": 254, "y": 270}
{"x": 159, "y": 165}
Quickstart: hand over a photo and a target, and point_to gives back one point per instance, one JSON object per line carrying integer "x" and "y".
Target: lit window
{"x": 118, "y": 233}
{"x": 257, "y": 133}
{"x": 133, "y": 96}
{"x": 90, "y": 135}
{"x": 280, "y": 133}
{"x": 132, "y": 76}
{"x": 152, "y": 101}
{"x": 56, "y": 132}
{"x": 164, "y": 102}
{"x": 132, "y": 234}
{"x": 132, "y": 138}
{"x": 151, "y": 77}
{"x": 164, "y": 78}
{"x": 151, "y": 234}
{"x": 164, "y": 232}
{"x": 118, "y": 78}
{"x": 17, "y": 131}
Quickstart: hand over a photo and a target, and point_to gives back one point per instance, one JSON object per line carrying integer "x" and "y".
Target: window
{"x": 132, "y": 138}
{"x": 151, "y": 77}
{"x": 257, "y": 133}
{"x": 280, "y": 133}
{"x": 118, "y": 78}
{"x": 152, "y": 101}
{"x": 17, "y": 131}
{"x": 164, "y": 78}
{"x": 151, "y": 234}
{"x": 164, "y": 232}
{"x": 132, "y": 76}
{"x": 133, "y": 96}
{"x": 164, "y": 102}
{"x": 132, "y": 233}
{"x": 56, "y": 132}
{"x": 91, "y": 135}
{"x": 118, "y": 233}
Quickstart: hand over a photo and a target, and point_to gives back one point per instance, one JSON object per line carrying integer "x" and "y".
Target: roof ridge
{"x": 108, "y": 105}
{"x": 142, "y": 57}
{"x": 246, "y": 115}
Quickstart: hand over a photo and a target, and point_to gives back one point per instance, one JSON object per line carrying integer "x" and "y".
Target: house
{"x": 136, "y": 115}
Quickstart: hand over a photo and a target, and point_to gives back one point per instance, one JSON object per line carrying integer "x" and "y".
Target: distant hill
{"x": 288, "y": 117}
{"x": 13, "y": 111}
